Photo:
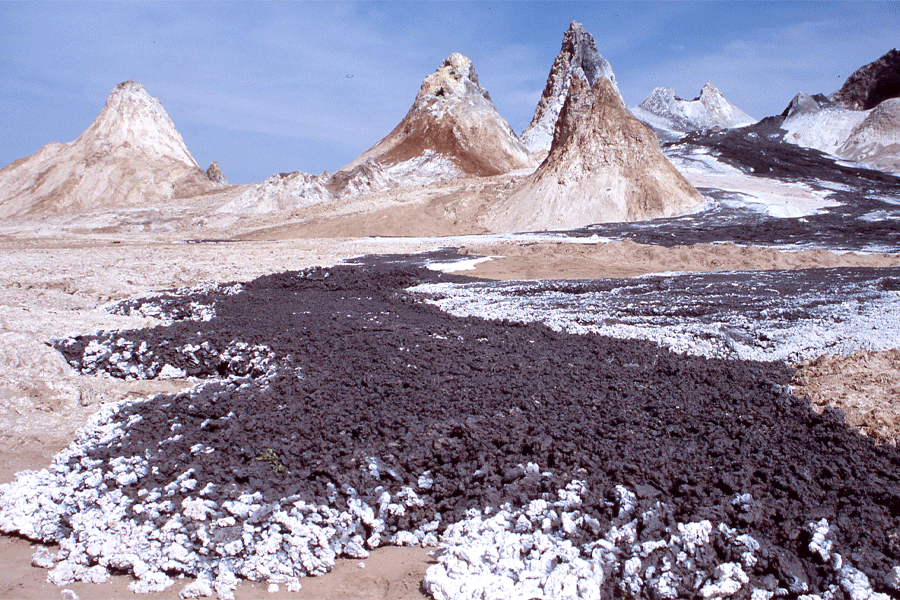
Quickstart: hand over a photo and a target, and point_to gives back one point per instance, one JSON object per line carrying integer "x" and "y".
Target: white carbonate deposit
{"x": 697, "y": 314}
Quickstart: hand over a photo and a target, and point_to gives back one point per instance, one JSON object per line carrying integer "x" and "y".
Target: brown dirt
{"x": 865, "y": 386}
{"x": 628, "y": 259}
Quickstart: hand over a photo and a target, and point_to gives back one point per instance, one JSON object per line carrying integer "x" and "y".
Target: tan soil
{"x": 865, "y": 386}
{"x": 53, "y": 287}
{"x": 628, "y": 259}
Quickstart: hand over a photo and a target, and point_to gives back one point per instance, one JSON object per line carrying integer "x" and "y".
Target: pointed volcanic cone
{"x": 451, "y": 130}
{"x": 577, "y": 59}
{"x": 130, "y": 157}
{"x": 604, "y": 166}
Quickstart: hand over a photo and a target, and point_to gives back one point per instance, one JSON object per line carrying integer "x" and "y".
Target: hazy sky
{"x": 264, "y": 87}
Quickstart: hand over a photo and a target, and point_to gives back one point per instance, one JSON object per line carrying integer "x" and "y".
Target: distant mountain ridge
{"x": 662, "y": 109}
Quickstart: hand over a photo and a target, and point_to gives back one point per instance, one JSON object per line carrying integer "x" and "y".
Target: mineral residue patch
{"x": 343, "y": 413}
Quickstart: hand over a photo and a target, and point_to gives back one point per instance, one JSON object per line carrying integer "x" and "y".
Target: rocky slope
{"x": 875, "y": 142}
{"x": 814, "y": 121}
{"x": 131, "y": 156}
{"x": 869, "y": 137}
{"x": 604, "y": 166}
{"x": 664, "y": 110}
{"x": 290, "y": 191}
{"x": 452, "y": 129}
{"x": 578, "y": 58}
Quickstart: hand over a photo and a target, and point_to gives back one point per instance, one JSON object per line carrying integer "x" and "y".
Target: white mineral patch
{"x": 825, "y": 129}
{"x": 767, "y": 196}
{"x": 128, "y": 360}
{"x": 892, "y": 579}
{"x": 459, "y": 265}
{"x": 851, "y": 580}
{"x": 170, "y": 372}
{"x": 527, "y": 553}
{"x": 284, "y": 191}
{"x": 424, "y": 169}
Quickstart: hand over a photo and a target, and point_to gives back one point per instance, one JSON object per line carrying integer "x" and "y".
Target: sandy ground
{"x": 628, "y": 259}
{"x": 865, "y": 386}
{"x": 53, "y": 287}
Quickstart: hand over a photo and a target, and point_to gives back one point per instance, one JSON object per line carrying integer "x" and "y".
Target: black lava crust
{"x": 364, "y": 370}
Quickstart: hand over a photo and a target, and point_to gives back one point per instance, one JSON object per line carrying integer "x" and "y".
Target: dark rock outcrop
{"x": 872, "y": 84}
{"x": 215, "y": 174}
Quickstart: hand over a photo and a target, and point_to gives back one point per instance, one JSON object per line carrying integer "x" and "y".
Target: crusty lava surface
{"x": 384, "y": 376}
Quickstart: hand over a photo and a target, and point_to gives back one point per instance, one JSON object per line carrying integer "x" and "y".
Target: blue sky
{"x": 276, "y": 87}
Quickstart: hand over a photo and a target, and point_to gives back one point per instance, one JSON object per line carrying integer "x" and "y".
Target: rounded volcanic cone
{"x": 875, "y": 142}
{"x": 871, "y": 84}
{"x": 131, "y": 156}
{"x": 578, "y": 58}
{"x": 451, "y": 130}
{"x": 604, "y": 166}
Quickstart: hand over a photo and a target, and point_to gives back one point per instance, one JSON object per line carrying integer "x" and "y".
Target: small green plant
{"x": 269, "y": 457}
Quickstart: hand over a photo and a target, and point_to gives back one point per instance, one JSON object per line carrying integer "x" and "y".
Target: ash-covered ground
{"x": 344, "y": 412}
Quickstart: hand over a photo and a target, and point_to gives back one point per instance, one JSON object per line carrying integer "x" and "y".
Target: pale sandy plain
{"x": 57, "y": 274}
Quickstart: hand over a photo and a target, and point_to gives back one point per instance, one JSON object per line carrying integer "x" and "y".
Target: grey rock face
{"x": 875, "y": 142}
{"x": 804, "y": 103}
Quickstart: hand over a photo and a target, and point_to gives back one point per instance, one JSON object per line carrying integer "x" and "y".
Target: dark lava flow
{"x": 759, "y": 150}
{"x": 365, "y": 371}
